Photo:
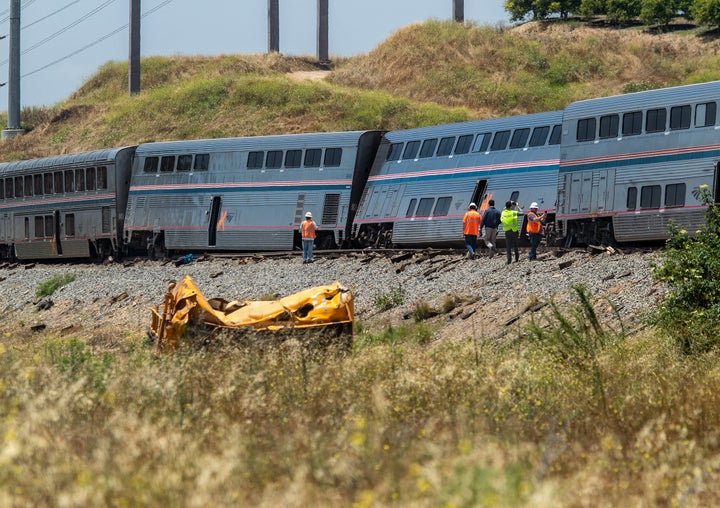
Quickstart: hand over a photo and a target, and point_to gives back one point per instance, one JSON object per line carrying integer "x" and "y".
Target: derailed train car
{"x": 246, "y": 194}
{"x": 68, "y": 206}
{"x": 632, "y": 163}
{"x": 424, "y": 179}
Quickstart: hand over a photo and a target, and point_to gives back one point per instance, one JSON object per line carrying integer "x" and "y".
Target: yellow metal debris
{"x": 184, "y": 305}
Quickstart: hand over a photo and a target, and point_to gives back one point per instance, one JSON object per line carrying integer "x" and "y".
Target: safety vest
{"x": 471, "y": 223}
{"x": 533, "y": 225}
{"x": 509, "y": 219}
{"x": 308, "y": 229}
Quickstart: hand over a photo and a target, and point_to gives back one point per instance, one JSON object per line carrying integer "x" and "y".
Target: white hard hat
{"x": 533, "y": 205}
{"x": 308, "y": 215}
{"x": 472, "y": 205}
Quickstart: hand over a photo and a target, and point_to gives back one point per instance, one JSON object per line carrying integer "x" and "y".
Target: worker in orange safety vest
{"x": 308, "y": 229}
{"x": 471, "y": 228}
{"x": 534, "y": 228}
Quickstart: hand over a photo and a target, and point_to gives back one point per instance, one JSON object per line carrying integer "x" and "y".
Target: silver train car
{"x": 246, "y": 194}
{"x": 68, "y": 206}
{"x": 630, "y": 164}
{"x": 424, "y": 179}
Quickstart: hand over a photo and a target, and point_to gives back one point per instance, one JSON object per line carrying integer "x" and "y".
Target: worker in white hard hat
{"x": 308, "y": 230}
{"x": 534, "y": 228}
{"x": 471, "y": 228}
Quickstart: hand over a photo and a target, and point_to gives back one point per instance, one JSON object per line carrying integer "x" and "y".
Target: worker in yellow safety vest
{"x": 308, "y": 230}
{"x": 509, "y": 220}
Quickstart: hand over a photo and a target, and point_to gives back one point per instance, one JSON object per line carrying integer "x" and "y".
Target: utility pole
{"x": 134, "y": 56}
{"x": 459, "y": 11}
{"x": 322, "y": 28}
{"x": 13, "y": 127}
{"x": 273, "y": 26}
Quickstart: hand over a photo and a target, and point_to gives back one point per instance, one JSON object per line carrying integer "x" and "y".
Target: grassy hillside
{"x": 424, "y": 74}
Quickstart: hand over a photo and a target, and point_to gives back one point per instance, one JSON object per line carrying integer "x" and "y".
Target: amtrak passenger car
{"x": 632, "y": 163}
{"x": 424, "y": 179}
{"x": 247, "y": 194}
{"x": 68, "y": 206}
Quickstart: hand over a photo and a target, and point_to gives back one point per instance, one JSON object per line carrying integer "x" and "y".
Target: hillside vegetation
{"x": 424, "y": 74}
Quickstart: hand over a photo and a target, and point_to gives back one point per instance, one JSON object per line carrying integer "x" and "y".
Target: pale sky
{"x": 54, "y": 63}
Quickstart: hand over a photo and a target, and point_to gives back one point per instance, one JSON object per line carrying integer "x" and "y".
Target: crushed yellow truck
{"x": 321, "y": 315}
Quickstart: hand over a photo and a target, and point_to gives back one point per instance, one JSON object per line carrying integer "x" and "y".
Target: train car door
{"x": 478, "y": 193}
{"x": 580, "y": 191}
{"x": 214, "y": 216}
{"x": 603, "y": 195}
{"x": 56, "y": 231}
{"x": 716, "y": 182}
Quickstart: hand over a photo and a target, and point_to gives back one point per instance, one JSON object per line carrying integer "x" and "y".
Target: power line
{"x": 97, "y": 41}
{"x": 49, "y": 15}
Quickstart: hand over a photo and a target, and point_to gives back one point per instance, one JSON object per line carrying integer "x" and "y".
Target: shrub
{"x": 690, "y": 266}
{"x": 393, "y": 298}
{"x": 49, "y": 286}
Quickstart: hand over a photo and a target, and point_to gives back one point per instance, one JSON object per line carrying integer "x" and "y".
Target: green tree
{"x": 540, "y": 9}
{"x": 658, "y": 12}
{"x": 706, "y": 12}
{"x": 690, "y": 266}
{"x": 622, "y": 11}
{"x": 593, "y": 7}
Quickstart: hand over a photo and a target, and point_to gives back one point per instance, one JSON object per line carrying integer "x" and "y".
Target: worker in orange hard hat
{"x": 534, "y": 227}
{"x": 471, "y": 228}
{"x": 308, "y": 230}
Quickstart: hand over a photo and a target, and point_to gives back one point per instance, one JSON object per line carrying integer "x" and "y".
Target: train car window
{"x": 273, "y": 159}
{"x": 255, "y": 160}
{"x": 425, "y": 207}
{"x": 500, "y": 140}
{"x": 519, "y": 138}
{"x": 39, "y": 226}
{"x": 632, "y": 123}
{"x": 680, "y": 117}
{"x": 394, "y": 152}
{"x": 48, "y": 183}
{"x": 9, "y": 188}
{"x": 428, "y": 148}
{"x": 655, "y": 120}
{"x": 202, "y": 162}
{"x": 49, "y": 226}
{"x": 445, "y": 147}
{"x": 609, "y": 125}
{"x": 90, "y": 178}
{"x": 28, "y": 185}
{"x": 69, "y": 181}
{"x": 18, "y": 187}
{"x": 58, "y": 179}
{"x": 27, "y": 228}
{"x": 312, "y": 158}
{"x": 464, "y": 143}
{"x": 102, "y": 181}
{"x": 411, "y": 208}
{"x": 650, "y": 196}
{"x": 705, "y": 114}
{"x": 333, "y": 157}
{"x": 79, "y": 180}
{"x": 167, "y": 164}
{"x": 411, "y": 149}
{"x": 539, "y": 135}
{"x": 38, "y": 185}
{"x": 586, "y": 129}
{"x": 514, "y": 196}
{"x": 151, "y": 165}
{"x": 555, "y": 135}
{"x": 184, "y": 162}
{"x": 675, "y": 194}
{"x": 69, "y": 224}
{"x": 482, "y": 142}
{"x": 293, "y": 158}
{"x": 442, "y": 206}
{"x": 2, "y": 189}
{"x": 631, "y": 198}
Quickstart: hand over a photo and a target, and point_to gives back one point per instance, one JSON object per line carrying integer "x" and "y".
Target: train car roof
{"x": 476, "y": 126}
{"x": 76, "y": 159}
{"x": 284, "y": 141}
{"x": 677, "y": 95}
